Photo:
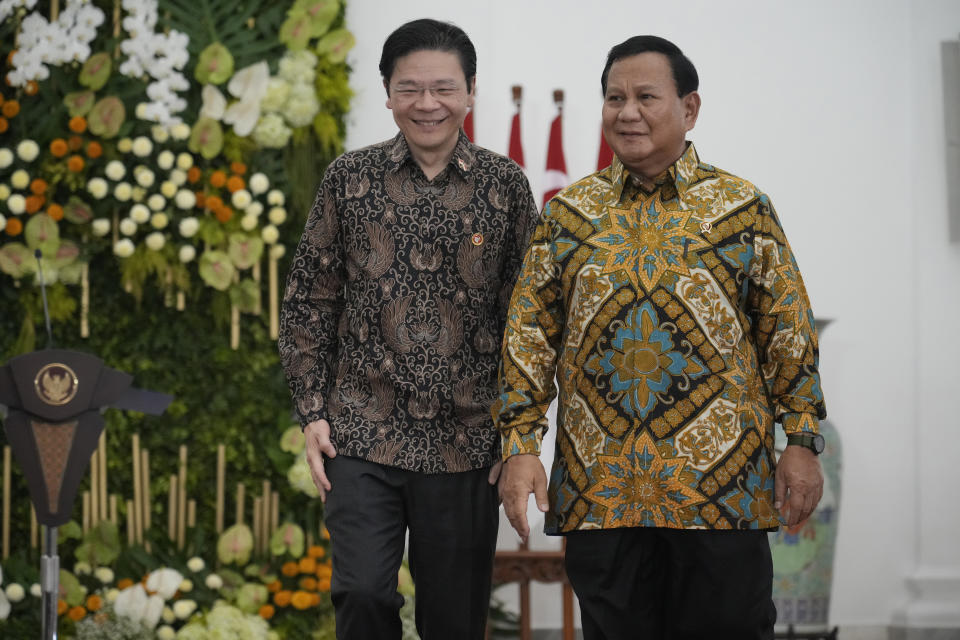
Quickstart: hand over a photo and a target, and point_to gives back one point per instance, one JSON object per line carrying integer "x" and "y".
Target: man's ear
{"x": 471, "y": 91}
{"x": 691, "y": 109}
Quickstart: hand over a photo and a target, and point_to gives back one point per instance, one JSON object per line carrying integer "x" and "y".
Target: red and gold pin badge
{"x": 477, "y": 239}
{"x": 705, "y": 227}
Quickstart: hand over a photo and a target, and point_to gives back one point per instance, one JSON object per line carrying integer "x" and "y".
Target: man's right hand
{"x": 520, "y": 476}
{"x": 317, "y": 435}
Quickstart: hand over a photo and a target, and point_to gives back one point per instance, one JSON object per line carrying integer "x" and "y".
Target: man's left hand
{"x": 798, "y": 485}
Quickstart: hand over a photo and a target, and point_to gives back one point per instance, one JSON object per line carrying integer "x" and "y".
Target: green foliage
{"x": 100, "y": 546}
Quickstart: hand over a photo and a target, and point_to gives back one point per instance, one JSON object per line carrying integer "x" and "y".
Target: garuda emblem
{"x": 56, "y": 384}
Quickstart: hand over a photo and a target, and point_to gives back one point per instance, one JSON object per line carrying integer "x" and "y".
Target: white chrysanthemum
{"x": 188, "y": 227}
{"x": 248, "y": 222}
{"x": 186, "y": 254}
{"x": 100, "y": 227}
{"x": 36, "y": 590}
{"x": 255, "y": 208}
{"x": 184, "y": 608}
{"x": 28, "y": 150}
{"x": 82, "y": 568}
{"x": 4, "y": 191}
{"x": 3, "y": 221}
{"x": 270, "y": 234}
{"x": 128, "y": 227}
{"x": 196, "y": 564}
{"x": 142, "y": 146}
{"x": 185, "y": 199}
{"x": 180, "y": 131}
{"x": 124, "y": 248}
{"x": 241, "y": 198}
{"x": 156, "y": 202}
{"x": 186, "y": 586}
{"x": 159, "y": 220}
{"x": 115, "y": 170}
{"x": 155, "y": 241}
{"x": 168, "y": 189}
{"x": 178, "y": 177}
{"x": 159, "y": 133}
{"x": 140, "y": 213}
{"x": 276, "y": 198}
{"x": 20, "y": 179}
{"x": 272, "y": 132}
{"x": 6, "y": 158}
{"x": 104, "y": 574}
{"x": 124, "y": 145}
{"x": 145, "y": 178}
{"x": 17, "y": 204}
{"x": 141, "y": 111}
{"x": 166, "y": 632}
{"x": 301, "y": 106}
{"x": 111, "y": 595}
{"x": 297, "y": 67}
{"x": 15, "y": 592}
{"x": 168, "y": 615}
{"x": 258, "y": 183}
{"x": 122, "y": 191}
{"x": 139, "y": 193}
{"x": 213, "y": 581}
{"x": 98, "y": 188}
{"x": 184, "y": 161}
{"x": 277, "y": 251}
{"x": 277, "y": 215}
{"x": 166, "y": 159}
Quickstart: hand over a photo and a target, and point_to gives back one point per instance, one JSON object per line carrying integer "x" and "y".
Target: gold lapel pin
{"x": 477, "y": 239}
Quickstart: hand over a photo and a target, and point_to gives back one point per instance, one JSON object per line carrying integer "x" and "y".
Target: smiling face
{"x": 429, "y": 97}
{"x": 645, "y": 122}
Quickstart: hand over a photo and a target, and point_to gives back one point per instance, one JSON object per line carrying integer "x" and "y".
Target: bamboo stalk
{"x": 94, "y": 488}
{"x": 54, "y": 10}
{"x": 221, "y": 477}
{"x": 257, "y": 523}
{"x": 274, "y": 512}
{"x": 85, "y": 301}
{"x": 172, "y": 509}
{"x": 182, "y": 500}
{"x": 85, "y": 512}
{"x": 234, "y": 327}
{"x": 265, "y": 516}
{"x": 274, "y": 304}
{"x": 191, "y": 513}
{"x": 34, "y": 528}
{"x": 137, "y": 495}
{"x": 131, "y": 528}
{"x": 145, "y": 491}
{"x": 6, "y": 502}
{"x": 240, "y": 500}
{"x": 102, "y": 449}
{"x": 258, "y": 306}
{"x": 113, "y": 510}
{"x": 181, "y": 301}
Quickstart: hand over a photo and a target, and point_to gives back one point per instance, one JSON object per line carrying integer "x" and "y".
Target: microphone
{"x": 43, "y": 292}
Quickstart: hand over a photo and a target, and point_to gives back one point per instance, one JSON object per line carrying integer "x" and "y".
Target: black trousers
{"x": 669, "y": 584}
{"x": 452, "y": 520}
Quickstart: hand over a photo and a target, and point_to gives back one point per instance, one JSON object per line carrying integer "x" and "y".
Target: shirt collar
{"x": 463, "y": 159}
{"x": 682, "y": 172}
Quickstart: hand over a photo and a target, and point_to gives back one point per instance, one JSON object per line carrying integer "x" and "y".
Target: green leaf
{"x": 216, "y": 270}
{"x": 77, "y": 211}
{"x": 96, "y": 71}
{"x": 101, "y": 545}
{"x": 70, "y": 588}
{"x": 106, "y": 117}
{"x": 16, "y": 260}
{"x": 245, "y": 295}
{"x": 69, "y": 531}
{"x": 215, "y": 65}
{"x": 79, "y": 103}
{"x": 335, "y": 45}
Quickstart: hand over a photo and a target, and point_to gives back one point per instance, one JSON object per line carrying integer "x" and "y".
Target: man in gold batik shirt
{"x": 662, "y": 298}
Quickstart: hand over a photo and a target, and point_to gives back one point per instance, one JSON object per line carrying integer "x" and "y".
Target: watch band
{"x": 812, "y": 441}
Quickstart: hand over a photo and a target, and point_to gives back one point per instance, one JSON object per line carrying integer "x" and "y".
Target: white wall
{"x": 834, "y": 107}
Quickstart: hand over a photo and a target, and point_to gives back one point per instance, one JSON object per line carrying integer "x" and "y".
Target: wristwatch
{"x": 812, "y": 441}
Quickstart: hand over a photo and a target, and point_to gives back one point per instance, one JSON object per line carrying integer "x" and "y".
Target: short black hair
{"x": 684, "y": 73}
{"x": 428, "y": 35}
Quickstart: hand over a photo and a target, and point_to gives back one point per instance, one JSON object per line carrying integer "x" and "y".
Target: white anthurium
{"x": 243, "y": 115}
{"x": 214, "y": 104}
{"x": 164, "y": 582}
{"x": 249, "y": 85}
{"x": 134, "y": 604}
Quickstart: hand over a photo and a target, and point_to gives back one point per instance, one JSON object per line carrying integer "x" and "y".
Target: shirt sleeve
{"x": 524, "y": 213}
{"x": 783, "y": 328}
{"x": 530, "y": 345}
{"x": 312, "y": 305}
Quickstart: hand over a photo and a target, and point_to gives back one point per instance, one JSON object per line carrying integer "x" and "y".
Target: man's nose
{"x": 630, "y": 111}
{"x": 426, "y": 100}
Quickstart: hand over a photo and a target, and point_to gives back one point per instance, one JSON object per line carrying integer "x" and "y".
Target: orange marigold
{"x": 323, "y": 584}
{"x": 238, "y": 168}
{"x": 223, "y": 214}
{"x": 94, "y": 602}
{"x": 213, "y": 202}
{"x": 38, "y": 186}
{"x": 274, "y": 586}
{"x": 308, "y": 565}
{"x": 289, "y": 569}
{"x": 4, "y": 125}
{"x": 194, "y": 174}
{"x": 301, "y": 600}
{"x": 32, "y": 88}
{"x": 324, "y": 533}
{"x": 78, "y": 124}
{"x": 324, "y": 570}
{"x": 75, "y": 143}
{"x": 201, "y": 199}
{"x": 77, "y": 613}
{"x": 266, "y": 611}
{"x": 94, "y": 149}
{"x": 34, "y": 203}
{"x": 282, "y": 598}
{"x": 218, "y": 179}
{"x": 62, "y": 607}
{"x": 59, "y": 148}
{"x": 316, "y": 551}
{"x": 10, "y": 108}
{"x": 75, "y": 163}
{"x": 124, "y": 583}
{"x": 308, "y": 584}
{"x": 235, "y": 183}
{"x": 14, "y": 227}
{"x": 55, "y": 211}
{"x": 316, "y": 599}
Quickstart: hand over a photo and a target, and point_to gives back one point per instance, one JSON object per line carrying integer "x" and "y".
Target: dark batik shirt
{"x": 395, "y": 304}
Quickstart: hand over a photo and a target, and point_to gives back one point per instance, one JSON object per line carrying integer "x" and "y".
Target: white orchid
{"x": 42, "y": 43}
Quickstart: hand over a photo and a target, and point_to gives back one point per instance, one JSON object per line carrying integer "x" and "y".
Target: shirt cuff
{"x": 800, "y": 423}
{"x": 519, "y": 440}
{"x": 312, "y": 417}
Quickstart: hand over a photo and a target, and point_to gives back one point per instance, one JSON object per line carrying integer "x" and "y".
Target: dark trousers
{"x": 452, "y": 520}
{"x": 668, "y": 584}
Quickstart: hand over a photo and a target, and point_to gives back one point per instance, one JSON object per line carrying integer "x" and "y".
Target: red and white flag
{"x": 555, "y": 178}
{"x": 605, "y": 155}
{"x": 468, "y": 125}
{"x": 515, "y": 151}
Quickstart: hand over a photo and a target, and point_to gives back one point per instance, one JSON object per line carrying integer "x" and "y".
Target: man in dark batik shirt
{"x": 390, "y": 339}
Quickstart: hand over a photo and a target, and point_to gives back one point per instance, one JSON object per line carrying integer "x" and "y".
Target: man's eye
{"x": 444, "y": 91}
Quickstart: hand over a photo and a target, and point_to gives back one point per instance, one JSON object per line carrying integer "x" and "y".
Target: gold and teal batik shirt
{"x": 675, "y": 323}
